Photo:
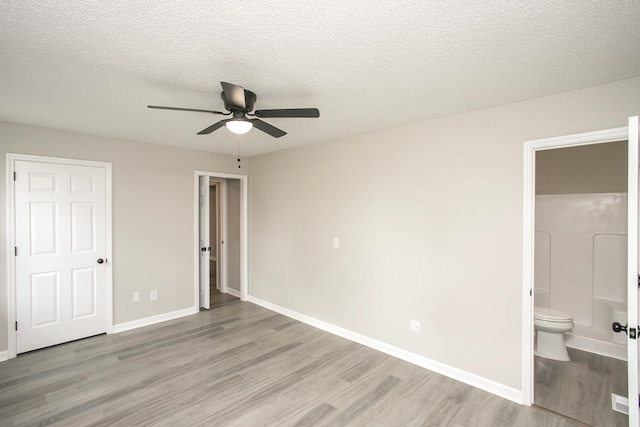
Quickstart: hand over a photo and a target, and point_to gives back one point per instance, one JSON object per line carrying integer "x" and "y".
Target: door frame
{"x": 530, "y": 149}
{"x": 244, "y": 249}
{"x": 11, "y": 238}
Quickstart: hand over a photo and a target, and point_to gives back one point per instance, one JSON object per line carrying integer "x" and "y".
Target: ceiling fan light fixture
{"x": 239, "y": 126}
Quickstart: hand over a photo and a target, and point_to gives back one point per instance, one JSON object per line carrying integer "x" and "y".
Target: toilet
{"x": 550, "y": 326}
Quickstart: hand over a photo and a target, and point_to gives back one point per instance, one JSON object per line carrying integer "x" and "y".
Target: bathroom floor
{"x": 581, "y": 389}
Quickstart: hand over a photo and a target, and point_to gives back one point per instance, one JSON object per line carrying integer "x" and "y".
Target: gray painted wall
{"x": 429, "y": 217}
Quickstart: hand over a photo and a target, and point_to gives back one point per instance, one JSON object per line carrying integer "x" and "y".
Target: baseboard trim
{"x": 4, "y": 356}
{"x": 473, "y": 380}
{"x": 135, "y": 324}
{"x": 233, "y": 292}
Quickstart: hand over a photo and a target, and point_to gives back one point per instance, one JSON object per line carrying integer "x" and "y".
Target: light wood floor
{"x": 582, "y": 388}
{"x": 239, "y": 365}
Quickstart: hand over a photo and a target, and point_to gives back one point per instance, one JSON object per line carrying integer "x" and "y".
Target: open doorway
{"x": 580, "y": 270}
{"x": 221, "y": 238}
{"x": 544, "y": 294}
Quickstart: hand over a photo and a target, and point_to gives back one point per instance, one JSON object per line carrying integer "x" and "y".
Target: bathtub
{"x": 598, "y": 337}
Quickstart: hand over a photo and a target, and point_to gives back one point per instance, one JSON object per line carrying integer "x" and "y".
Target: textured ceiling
{"x": 92, "y": 67}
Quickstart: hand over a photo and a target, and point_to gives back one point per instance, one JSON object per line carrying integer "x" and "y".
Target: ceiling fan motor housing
{"x": 249, "y": 101}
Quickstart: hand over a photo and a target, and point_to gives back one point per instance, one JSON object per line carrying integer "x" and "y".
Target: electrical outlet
{"x": 136, "y": 296}
{"x": 414, "y": 326}
{"x": 153, "y": 295}
{"x": 336, "y": 242}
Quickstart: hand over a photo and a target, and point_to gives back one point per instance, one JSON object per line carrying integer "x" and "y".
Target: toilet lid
{"x": 551, "y": 315}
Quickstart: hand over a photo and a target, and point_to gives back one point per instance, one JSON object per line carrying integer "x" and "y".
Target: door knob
{"x": 617, "y": 327}
{"x": 100, "y": 260}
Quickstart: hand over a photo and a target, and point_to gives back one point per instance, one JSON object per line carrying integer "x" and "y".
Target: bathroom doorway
{"x": 580, "y": 253}
{"x": 560, "y": 215}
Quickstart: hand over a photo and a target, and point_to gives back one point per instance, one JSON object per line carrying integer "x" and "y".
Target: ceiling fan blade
{"x": 213, "y": 127}
{"x": 186, "y": 109}
{"x": 267, "y": 128}
{"x": 234, "y": 95}
{"x": 288, "y": 112}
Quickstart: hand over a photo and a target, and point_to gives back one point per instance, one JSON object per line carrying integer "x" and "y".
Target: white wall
{"x": 153, "y": 211}
{"x": 429, "y": 218}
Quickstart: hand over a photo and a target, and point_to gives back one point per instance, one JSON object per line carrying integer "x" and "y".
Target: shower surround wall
{"x": 580, "y": 266}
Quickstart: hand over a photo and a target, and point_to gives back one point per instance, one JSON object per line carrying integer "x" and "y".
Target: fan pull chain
{"x": 239, "y": 165}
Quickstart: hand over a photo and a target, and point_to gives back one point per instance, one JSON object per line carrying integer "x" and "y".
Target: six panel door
{"x": 60, "y": 253}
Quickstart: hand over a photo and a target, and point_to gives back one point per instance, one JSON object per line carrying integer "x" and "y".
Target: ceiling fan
{"x": 239, "y": 103}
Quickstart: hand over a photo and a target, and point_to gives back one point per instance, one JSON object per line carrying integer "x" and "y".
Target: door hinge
{"x": 15, "y": 251}
{"x": 14, "y": 176}
{"x": 16, "y": 325}
{"x": 632, "y": 333}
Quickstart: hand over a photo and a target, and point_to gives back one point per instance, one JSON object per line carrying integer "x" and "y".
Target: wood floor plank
{"x": 315, "y": 415}
{"x": 412, "y": 401}
{"x": 368, "y": 400}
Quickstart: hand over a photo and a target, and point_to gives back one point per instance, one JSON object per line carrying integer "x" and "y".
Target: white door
{"x": 632, "y": 273}
{"x": 203, "y": 241}
{"x": 60, "y": 228}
